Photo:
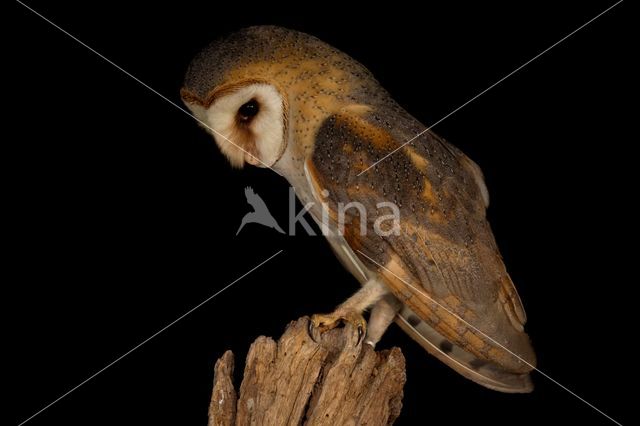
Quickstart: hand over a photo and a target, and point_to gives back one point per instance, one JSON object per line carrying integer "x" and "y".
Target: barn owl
{"x": 277, "y": 98}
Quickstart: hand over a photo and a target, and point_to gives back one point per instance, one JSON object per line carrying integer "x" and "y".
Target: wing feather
{"x": 444, "y": 263}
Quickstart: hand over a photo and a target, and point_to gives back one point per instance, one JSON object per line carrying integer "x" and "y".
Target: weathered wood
{"x": 222, "y": 409}
{"x": 298, "y": 381}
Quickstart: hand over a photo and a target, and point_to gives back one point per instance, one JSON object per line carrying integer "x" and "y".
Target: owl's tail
{"x": 479, "y": 370}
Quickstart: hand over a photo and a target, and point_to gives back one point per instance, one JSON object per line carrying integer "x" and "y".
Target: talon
{"x": 361, "y": 334}
{"x": 326, "y": 322}
{"x": 310, "y": 331}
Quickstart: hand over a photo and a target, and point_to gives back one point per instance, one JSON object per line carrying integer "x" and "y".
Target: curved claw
{"x": 361, "y": 333}
{"x": 311, "y": 331}
{"x": 326, "y": 322}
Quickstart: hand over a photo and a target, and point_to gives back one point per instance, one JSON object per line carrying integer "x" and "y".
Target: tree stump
{"x": 294, "y": 381}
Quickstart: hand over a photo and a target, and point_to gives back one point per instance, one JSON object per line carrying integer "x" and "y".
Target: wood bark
{"x": 297, "y": 380}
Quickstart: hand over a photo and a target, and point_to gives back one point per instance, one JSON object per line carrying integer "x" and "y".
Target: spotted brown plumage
{"x": 445, "y": 246}
{"x": 321, "y": 119}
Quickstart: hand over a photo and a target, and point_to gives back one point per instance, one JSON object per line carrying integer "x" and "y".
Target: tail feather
{"x": 480, "y": 371}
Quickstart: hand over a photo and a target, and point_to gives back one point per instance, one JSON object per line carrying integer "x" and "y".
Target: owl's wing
{"x": 443, "y": 264}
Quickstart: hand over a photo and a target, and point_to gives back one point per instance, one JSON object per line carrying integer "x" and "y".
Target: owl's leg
{"x": 382, "y": 315}
{"x": 351, "y": 309}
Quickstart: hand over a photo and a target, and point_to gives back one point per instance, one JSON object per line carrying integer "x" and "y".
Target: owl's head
{"x": 236, "y": 99}
{"x": 255, "y": 87}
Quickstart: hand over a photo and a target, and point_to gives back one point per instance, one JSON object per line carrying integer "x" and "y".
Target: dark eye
{"x": 249, "y": 110}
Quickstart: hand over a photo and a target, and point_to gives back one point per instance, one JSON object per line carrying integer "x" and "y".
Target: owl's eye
{"x": 249, "y": 110}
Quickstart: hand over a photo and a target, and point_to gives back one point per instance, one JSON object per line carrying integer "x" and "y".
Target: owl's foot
{"x": 325, "y": 322}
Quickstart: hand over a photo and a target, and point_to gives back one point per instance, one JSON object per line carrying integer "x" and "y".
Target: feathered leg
{"x": 382, "y": 315}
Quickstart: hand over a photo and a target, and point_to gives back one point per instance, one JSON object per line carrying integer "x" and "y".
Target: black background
{"x": 121, "y": 212}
